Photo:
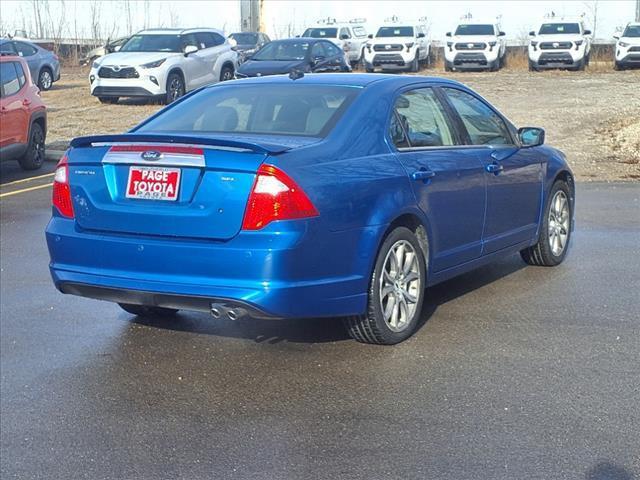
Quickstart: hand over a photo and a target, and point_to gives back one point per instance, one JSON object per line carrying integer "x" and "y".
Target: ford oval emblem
{"x": 151, "y": 155}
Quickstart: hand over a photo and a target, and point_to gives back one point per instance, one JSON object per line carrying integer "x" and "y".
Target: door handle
{"x": 495, "y": 168}
{"x": 423, "y": 175}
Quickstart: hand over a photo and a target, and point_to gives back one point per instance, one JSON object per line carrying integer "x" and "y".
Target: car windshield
{"x": 395, "y": 32}
{"x": 475, "y": 30}
{"x": 271, "y": 109}
{"x": 245, "y": 38}
{"x": 559, "y": 28}
{"x": 153, "y": 43}
{"x": 321, "y": 33}
{"x": 632, "y": 31}
{"x": 284, "y": 51}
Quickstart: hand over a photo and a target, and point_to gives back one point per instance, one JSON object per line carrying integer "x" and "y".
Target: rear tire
{"x": 147, "y": 311}
{"x": 109, "y": 100}
{"x": 45, "y": 79}
{"x": 396, "y": 292}
{"x": 554, "y": 225}
{"x": 34, "y": 156}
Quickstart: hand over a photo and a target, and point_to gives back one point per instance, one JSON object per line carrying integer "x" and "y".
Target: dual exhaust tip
{"x": 219, "y": 310}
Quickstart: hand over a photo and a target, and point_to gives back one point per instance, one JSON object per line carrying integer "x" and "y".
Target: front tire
{"x": 415, "y": 64}
{"x": 109, "y": 100}
{"x": 45, "y": 79}
{"x": 147, "y": 311}
{"x": 34, "y": 156}
{"x": 555, "y": 231}
{"x": 448, "y": 66}
{"x": 226, "y": 73}
{"x": 396, "y": 292}
{"x": 175, "y": 88}
{"x": 532, "y": 67}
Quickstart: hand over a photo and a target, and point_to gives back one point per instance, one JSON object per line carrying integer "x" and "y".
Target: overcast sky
{"x": 284, "y": 16}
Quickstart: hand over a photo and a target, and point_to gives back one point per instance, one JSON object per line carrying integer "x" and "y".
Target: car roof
{"x": 350, "y": 80}
{"x": 177, "y": 31}
{"x": 299, "y": 39}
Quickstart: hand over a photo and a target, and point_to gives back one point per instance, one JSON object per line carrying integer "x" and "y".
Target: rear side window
{"x": 484, "y": 126}
{"x": 359, "y": 32}
{"x": 20, "y": 72}
{"x": 423, "y": 120}
{"x": 9, "y": 78}
{"x": 25, "y": 50}
{"x": 7, "y": 47}
{"x": 307, "y": 110}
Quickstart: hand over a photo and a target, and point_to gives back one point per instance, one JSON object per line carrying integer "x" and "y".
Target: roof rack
{"x": 392, "y": 19}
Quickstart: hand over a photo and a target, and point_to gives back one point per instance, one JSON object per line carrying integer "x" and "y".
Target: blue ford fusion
{"x": 327, "y": 195}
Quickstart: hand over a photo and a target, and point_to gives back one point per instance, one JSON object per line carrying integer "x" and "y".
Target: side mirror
{"x": 617, "y": 37}
{"x": 370, "y": 35}
{"x": 421, "y": 35}
{"x": 531, "y": 136}
{"x": 587, "y": 32}
{"x": 501, "y": 34}
{"x": 448, "y": 34}
{"x": 532, "y": 33}
{"x": 233, "y": 42}
{"x": 344, "y": 36}
{"x": 189, "y": 49}
{"x": 117, "y": 48}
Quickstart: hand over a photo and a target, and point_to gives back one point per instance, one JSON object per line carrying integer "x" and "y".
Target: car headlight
{"x": 155, "y": 64}
{"x": 623, "y": 44}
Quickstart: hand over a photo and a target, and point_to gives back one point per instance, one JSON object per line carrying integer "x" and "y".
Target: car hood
{"x": 563, "y": 37}
{"x": 630, "y": 40}
{"x": 391, "y": 40}
{"x": 135, "y": 58}
{"x": 474, "y": 38}
{"x": 254, "y": 68}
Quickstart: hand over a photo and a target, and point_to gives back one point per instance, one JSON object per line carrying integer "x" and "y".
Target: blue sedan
{"x": 327, "y": 195}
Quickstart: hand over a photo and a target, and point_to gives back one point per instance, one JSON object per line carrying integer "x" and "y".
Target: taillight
{"x": 275, "y": 196}
{"x": 61, "y": 191}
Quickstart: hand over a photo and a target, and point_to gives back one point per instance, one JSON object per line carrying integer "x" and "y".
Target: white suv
{"x": 397, "y": 46}
{"x": 560, "y": 44}
{"x": 475, "y": 46}
{"x": 350, "y": 36}
{"x": 628, "y": 47}
{"x": 163, "y": 63}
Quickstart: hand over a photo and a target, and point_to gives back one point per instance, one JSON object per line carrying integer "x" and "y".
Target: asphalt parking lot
{"x": 519, "y": 372}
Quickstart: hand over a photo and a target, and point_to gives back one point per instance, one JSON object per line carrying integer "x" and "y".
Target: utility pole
{"x": 250, "y": 17}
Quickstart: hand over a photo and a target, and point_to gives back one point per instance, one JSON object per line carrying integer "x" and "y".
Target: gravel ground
{"x": 594, "y": 117}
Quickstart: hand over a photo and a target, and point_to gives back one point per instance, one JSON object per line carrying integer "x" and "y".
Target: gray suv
{"x": 43, "y": 64}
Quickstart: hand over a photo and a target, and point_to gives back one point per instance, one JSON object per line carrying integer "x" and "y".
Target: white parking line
{"x": 8, "y": 194}
{"x": 24, "y": 180}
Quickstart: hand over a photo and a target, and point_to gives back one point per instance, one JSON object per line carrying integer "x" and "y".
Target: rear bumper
{"x": 291, "y": 274}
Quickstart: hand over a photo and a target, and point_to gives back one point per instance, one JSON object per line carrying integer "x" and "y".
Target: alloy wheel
{"x": 400, "y": 285}
{"x": 176, "y": 89}
{"x": 45, "y": 80}
{"x": 558, "y": 229}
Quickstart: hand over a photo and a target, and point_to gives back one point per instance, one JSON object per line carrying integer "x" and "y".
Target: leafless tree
{"x": 592, "y": 14}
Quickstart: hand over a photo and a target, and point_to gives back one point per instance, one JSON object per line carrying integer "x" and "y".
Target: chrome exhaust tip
{"x": 232, "y": 314}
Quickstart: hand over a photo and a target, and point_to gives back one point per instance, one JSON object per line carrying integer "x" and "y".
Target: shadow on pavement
{"x": 322, "y": 330}
{"x": 608, "y": 471}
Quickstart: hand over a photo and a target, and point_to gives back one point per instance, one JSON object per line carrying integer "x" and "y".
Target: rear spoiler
{"x": 261, "y": 147}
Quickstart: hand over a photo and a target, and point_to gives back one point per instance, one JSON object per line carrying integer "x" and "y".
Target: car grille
{"x": 634, "y": 49}
{"x": 555, "y": 45}
{"x": 124, "y": 72}
{"x": 471, "y": 46}
{"x": 383, "y": 48}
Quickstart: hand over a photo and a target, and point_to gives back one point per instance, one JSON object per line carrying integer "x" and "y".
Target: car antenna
{"x": 295, "y": 74}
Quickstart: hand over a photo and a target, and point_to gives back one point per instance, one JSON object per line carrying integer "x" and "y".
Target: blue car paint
{"x": 319, "y": 266}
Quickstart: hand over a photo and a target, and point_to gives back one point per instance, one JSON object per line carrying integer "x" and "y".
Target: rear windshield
{"x": 321, "y": 33}
{"x": 272, "y": 109}
{"x": 559, "y": 28}
{"x": 283, "y": 51}
{"x": 153, "y": 43}
{"x": 475, "y": 30}
{"x": 395, "y": 32}
{"x": 245, "y": 38}
{"x": 632, "y": 31}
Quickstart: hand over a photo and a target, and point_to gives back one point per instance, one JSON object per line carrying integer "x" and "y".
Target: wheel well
{"x": 42, "y": 123}
{"x": 413, "y": 223}
{"x": 179, "y": 72}
{"x": 228, "y": 64}
{"x": 566, "y": 177}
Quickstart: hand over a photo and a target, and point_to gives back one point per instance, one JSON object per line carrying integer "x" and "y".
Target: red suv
{"x": 23, "y": 116}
